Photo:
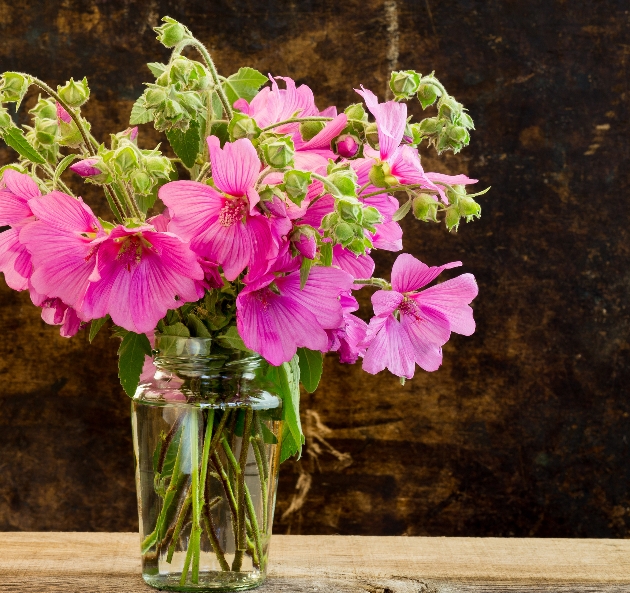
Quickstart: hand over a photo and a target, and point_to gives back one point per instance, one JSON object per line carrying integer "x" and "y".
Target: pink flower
{"x": 56, "y": 312}
{"x": 15, "y": 261}
{"x": 63, "y": 243}
{"x": 358, "y": 266}
{"x": 140, "y": 275}
{"x": 224, "y": 228}
{"x": 410, "y": 326}
{"x": 275, "y": 316}
{"x": 347, "y": 146}
{"x": 86, "y": 167}
{"x": 347, "y": 340}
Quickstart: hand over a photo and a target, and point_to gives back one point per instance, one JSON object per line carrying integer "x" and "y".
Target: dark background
{"x": 524, "y": 430}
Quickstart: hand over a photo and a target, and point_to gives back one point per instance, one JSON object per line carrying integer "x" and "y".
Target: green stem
{"x": 240, "y": 491}
{"x": 374, "y": 282}
{"x": 327, "y": 183}
{"x": 252, "y": 517}
{"x": 202, "y": 171}
{"x": 197, "y": 497}
{"x": 181, "y": 517}
{"x": 191, "y": 41}
{"x": 396, "y": 188}
{"x": 261, "y": 475}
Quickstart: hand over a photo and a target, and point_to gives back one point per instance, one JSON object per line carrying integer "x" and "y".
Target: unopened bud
{"x": 278, "y": 152}
{"x": 356, "y": 111}
{"x": 466, "y": 121}
{"x": 296, "y": 185}
{"x": 452, "y": 218}
{"x": 46, "y": 131}
{"x": 173, "y": 110}
{"x": 125, "y": 159}
{"x": 428, "y": 94}
{"x": 458, "y": 134}
{"x": 429, "y": 126}
{"x": 62, "y": 115}
{"x": 347, "y": 146}
{"x": 13, "y": 86}
{"x": 329, "y": 221}
{"x": 304, "y": 241}
{"x": 310, "y": 129}
{"x": 469, "y": 208}
{"x": 349, "y": 211}
{"x": 155, "y": 97}
{"x": 425, "y": 207}
{"x": 449, "y": 109}
{"x": 141, "y": 182}
{"x": 45, "y": 109}
{"x": 74, "y": 93}
{"x": 243, "y": 126}
{"x": 371, "y": 216}
{"x": 344, "y": 233}
{"x": 404, "y": 83}
{"x": 86, "y": 167}
{"x": 180, "y": 70}
{"x": 158, "y": 166}
{"x": 171, "y": 32}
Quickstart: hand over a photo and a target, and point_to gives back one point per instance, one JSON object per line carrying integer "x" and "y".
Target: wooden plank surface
{"x": 109, "y": 562}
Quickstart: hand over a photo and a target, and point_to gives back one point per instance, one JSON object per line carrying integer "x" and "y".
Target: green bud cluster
{"x": 278, "y": 151}
{"x": 461, "y": 205}
{"x": 171, "y": 32}
{"x": 74, "y": 93}
{"x": 404, "y": 84}
{"x": 44, "y": 134}
{"x": 176, "y": 98}
{"x": 296, "y": 185}
{"x": 243, "y": 126}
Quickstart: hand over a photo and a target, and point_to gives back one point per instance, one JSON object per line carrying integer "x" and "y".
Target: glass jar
{"x": 206, "y": 428}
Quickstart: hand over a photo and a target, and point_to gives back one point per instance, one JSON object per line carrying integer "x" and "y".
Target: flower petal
{"x": 235, "y": 167}
{"x": 409, "y": 273}
{"x": 20, "y": 184}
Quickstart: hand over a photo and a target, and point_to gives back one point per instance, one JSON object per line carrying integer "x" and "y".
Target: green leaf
{"x": 177, "y": 329}
{"x": 196, "y": 327}
{"x": 326, "y": 254}
{"x": 14, "y": 137}
{"x": 140, "y": 114}
{"x": 244, "y": 84}
{"x": 402, "y": 211}
{"x": 286, "y": 379}
{"x": 311, "y": 367}
{"x": 157, "y": 69}
{"x": 62, "y": 166}
{"x": 146, "y": 201}
{"x": 220, "y": 130}
{"x": 186, "y": 144}
{"x": 232, "y": 339}
{"x": 305, "y": 270}
{"x": 96, "y": 325}
{"x": 267, "y": 435}
{"x": 131, "y": 353}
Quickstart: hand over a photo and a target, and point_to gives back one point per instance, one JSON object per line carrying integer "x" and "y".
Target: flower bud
{"x": 69, "y": 133}
{"x": 347, "y": 146}
{"x": 349, "y": 211}
{"x": 154, "y": 97}
{"x": 180, "y": 70}
{"x": 310, "y": 129}
{"x": 452, "y": 218}
{"x": 356, "y": 111}
{"x": 429, "y": 126}
{"x": 304, "y": 241}
{"x": 46, "y": 131}
{"x": 190, "y": 101}
{"x": 449, "y": 109}
{"x": 125, "y": 159}
{"x": 458, "y": 134}
{"x": 86, "y": 167}
{"x": 428, "y": 94}
{"x": 173, "y": 110}
{"x": 359, "y": 245}
{"x": 5, "y": 119}
{"x": 371, "y": 216}
{"x": 62, "y": 115}
{"x": 469, "y": 208}
{"x": 381, "y": 175}
{"x": 344, "y": 178}
{"x": 344, "y": 233}
{"x": 466, "y": 121}
{"x": 278, "y": 152}
{"x": 329, "y": 221}
{"x": 404, "y": 83}
{"x": 171, "y": 32}
{"x": 371, "y": 135}
{"x": 158, "y": 166}
{"x": 141, "y": 182}
{"x": 243, "y": 126}
{"x": 296, "y": 185}
{"x": 274, "y": 204}
{"x": 45, "y": 109}
{"x": 425, "y": 207}
{"x": 13, "y": 86}
{"x": 74, "y": 93}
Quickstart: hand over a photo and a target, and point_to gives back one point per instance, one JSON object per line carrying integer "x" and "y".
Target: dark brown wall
{"x": 524, "y": 430}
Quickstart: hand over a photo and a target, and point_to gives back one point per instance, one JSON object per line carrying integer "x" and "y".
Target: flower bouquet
{"x": 226, "y": 288}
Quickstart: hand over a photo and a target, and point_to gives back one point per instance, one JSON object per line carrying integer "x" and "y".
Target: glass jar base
{"x": 214, "y": 581}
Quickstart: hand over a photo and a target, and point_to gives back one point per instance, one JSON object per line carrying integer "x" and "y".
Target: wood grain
{"x": 109, "y": 562}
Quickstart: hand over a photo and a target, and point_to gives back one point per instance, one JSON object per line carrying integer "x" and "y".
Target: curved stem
{"x": 374, "y": 282}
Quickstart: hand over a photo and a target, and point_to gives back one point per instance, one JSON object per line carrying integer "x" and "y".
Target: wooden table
{"x": 109, "y": 563}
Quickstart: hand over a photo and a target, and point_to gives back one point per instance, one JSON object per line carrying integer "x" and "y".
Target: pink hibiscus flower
{"x": 224, "y": 228}
{"x": 275, "y": 316}
{"x": 63, "y": 243}
{"x": 403, "y": 161}
{"x": 16, "y": 189}
{"x": 140, "y": 274}
{"x": 410, "y": 326}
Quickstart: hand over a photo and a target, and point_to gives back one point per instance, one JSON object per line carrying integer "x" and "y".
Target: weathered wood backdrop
{"x": 524, "y": 430}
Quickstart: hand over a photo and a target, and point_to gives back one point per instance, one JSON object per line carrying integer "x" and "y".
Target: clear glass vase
{"x": 207, "y": 431}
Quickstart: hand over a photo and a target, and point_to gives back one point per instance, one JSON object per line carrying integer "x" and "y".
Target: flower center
{"x": 232, "y": 212}
{"x": 130, "y": 252}
{"x": 409, "y": 307}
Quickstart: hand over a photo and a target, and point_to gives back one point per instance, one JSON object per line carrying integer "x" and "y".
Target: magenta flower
{"x": 358, "y": 266}
{"x": 86, "y": 168}
{"x": 224, "y": 228}
{"x": 275, "y": 316}
{"x": 56, "y": 312}
{"x": 348, "y": 339}
{"x": 347, "y": 146}
{"x": 16, "y": 189}
{"x": 410, "y": 326}
{"x": 140, "y": 275}
{"x": 63, "y": 243}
